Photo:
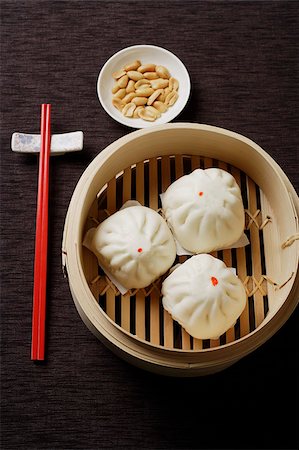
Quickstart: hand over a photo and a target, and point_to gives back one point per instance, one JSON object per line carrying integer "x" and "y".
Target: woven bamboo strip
{"x": 208, "y": 163}
{"x": 186, "y": 341}
{"x": 168, "y": 322}
{"x": 214, "y": 343}
{"x": 165, "y": 172}
{"x": 140, "y": 314}
{"x": 111, "y": 207}
{"x": 241, "y": 269}
{"x": 197, "y": 344}
{"x": 127, "y": 184}
{"x": 140, "y": 296}
{"x": 90, "y": 260}
{"x": 154, "y": 318}
{"x": 179, "y": 172}
{"x": 227, "y": 259}
{"x": 111, "y": 196}
{"x": 271, "y": 242}
{"x": 125, "y": 311}
{"x": 179, "y": 168}
{"x": 195, "y": 162}
{"x": 125, "y": 299}
{"x": 140, "y": 182}
{"x": 153, "y": 184}
{"x": 154, "y": 296}
{"x": 110, "y": 304}
{"x": 255, "y": 254}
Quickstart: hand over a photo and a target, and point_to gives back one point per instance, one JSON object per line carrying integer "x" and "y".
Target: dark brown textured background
{"x": 243, "y": 61}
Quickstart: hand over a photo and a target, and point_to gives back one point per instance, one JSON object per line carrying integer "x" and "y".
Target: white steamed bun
{"x": 135, "y": 245}
{"x": 204, "y": 210}
{"x": 204, "y": 296}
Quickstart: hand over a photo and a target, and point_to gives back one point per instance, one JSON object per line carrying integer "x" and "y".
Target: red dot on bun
{"x": 200, "y": 193}
{"x": 139, "y": 250}
{"x": 214, "y": 281}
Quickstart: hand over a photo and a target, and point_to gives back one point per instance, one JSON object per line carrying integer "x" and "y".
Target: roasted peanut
{"x": 128, "y": 97}
{"x": 120, "y": 93}
{"x": 115, "y": 88}
{"x": 144, "y": 92}
{"x": 130, "y": 86}
{"x": 160, "y": 106}
{"x": 139, "y": 101}
{"x": 147, "y": 68}
{"x": 123, "y": 81}
{"x": 159, "y": 83}
{"x": 154, "y": 96}
{"x": 153, "y": 110}
{"x": 166, "y": 91}
{"x": 132, "y": 66}
{"x": 171, "y": 98}
{"x": 145, "y": 114}
{"x": 173, "y": 84}
{"x": 162, "y": 72}
{"x": 141, "y": 83}
{"x": 134, "y": 75}
{"x": 150, "y": 75}
{"x": 136, "y": 111}
{"x": 118, "y": 103}
{"x": 128, "y": 109}
{"x": 118, "y": 74}
{"x": 162, "y": 96}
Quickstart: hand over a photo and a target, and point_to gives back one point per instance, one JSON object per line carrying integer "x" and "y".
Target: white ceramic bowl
{"x": 146, "y": 54}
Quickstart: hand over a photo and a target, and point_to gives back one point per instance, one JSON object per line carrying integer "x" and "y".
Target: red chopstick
{"x": 41, "y": 240}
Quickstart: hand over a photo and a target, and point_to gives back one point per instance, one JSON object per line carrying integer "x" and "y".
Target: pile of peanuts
{"x": 144, "y": 91}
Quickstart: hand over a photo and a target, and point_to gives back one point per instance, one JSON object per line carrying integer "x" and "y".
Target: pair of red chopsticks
{"x": 41, "y": 240}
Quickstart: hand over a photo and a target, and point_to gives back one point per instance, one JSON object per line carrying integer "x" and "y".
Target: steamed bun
{"x": 135, "y": 245}
{"x": 204, "y": 210}
{"x": 204, "y": 296}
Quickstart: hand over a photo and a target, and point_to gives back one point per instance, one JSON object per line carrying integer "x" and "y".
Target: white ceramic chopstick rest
{"x": 60, "y": 143}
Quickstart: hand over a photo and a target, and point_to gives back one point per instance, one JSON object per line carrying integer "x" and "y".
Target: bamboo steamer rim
{"x": 112, "y": 333}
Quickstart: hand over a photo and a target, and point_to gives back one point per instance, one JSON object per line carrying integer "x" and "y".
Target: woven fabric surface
{"x": 242, "y": 57}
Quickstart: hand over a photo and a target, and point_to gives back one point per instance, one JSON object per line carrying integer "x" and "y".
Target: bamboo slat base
{"x": 140, "y": 312}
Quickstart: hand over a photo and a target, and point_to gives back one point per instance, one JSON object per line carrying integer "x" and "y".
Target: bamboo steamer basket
{"x": 140, "y": 166}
